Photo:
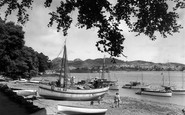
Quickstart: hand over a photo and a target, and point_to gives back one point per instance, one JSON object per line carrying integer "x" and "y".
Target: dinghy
{"x": 73, "y": 110}
{"x": 26, "y": 92}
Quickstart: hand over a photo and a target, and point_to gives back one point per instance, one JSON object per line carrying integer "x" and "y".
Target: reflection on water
{"x": 153, "y": 78}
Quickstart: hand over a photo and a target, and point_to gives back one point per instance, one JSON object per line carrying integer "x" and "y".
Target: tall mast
{"x": 65, "y": 68}
{"x": 182, "y": 80}
{"x": 103, "y": 69}
{"x": 169, "y": 73}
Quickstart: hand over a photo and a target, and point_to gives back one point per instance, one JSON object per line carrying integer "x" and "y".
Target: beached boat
{"x": 34, "y": 81}
{"x": 26, "y": 92}
{"x": 20, "y": 81}
{"x": 66, "y": 91}
{"x": 155, "y": 92}
{"x": 73, "y": 110}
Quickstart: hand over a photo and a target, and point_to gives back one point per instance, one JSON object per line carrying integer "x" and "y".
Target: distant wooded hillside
{"x": 95, "y": 65}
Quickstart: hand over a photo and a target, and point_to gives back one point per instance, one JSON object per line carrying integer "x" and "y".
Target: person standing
{"x": 117, "y": 100}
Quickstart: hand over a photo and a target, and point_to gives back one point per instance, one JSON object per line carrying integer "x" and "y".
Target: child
{"x": 117, "y": 100}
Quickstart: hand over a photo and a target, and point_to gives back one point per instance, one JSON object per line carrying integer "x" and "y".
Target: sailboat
{"x": 179, "y": 91}
{"x": 165, "y": 92}
{"x": 65, "y": 92}
{"x": 136, "y": 84}
{"x": 176, "y": 90}
{"x": 155, "y": 92}
{"x": 113, "y": 85}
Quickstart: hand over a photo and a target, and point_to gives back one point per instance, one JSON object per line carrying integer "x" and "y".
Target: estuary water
{"x": 155, "y": 78}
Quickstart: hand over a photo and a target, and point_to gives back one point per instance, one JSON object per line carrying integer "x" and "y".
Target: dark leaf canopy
{"x": 141, "y": 16}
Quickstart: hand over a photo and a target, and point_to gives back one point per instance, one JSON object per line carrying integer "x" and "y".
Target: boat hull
{"x": 72, "y": 110}
{"x": 178, "y": 91}
{"x": 25, "y": 92}
{"x": 157, "y": 93}
{"x": 135, "y": 85}
{"x": 71, "y": 94}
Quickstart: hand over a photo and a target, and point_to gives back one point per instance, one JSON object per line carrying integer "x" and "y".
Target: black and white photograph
{"x": 92, "y": 57}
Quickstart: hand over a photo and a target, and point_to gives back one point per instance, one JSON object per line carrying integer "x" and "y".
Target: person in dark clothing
{"x": 95, "y": 83}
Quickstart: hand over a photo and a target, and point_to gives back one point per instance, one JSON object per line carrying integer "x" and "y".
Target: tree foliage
{"x": 141, "y": 16}
{"x": 11, "y": 41}
{"x": 16, "y": 58}
{"x": 43, "y": 62}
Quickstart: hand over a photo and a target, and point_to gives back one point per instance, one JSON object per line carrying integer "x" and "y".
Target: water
{"x": 150, "y": 77}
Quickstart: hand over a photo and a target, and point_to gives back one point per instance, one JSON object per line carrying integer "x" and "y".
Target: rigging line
{"x": 62, "y": 48}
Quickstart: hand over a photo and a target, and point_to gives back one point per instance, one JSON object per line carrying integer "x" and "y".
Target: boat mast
{"x": 169, "y": 74}
{"x": 103, "y": 69}
{"x": 142, "y": 77}
{"x": 182, "y": 80}
{"x": 65, "y": 68}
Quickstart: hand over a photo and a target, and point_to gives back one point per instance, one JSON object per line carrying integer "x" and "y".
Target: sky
{"x": 81, "y": 42}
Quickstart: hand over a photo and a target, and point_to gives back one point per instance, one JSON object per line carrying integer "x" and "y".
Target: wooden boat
{"x": 73, "y": 110}
{"x": 20, "y": 81}
{"x": 65, "y": 92}
{"x": 26, "y": 92}
{"x": 175, "y": 90}
{"x": 71, "y": 94}
{"x": 148, "y": 91}
{"x": 178, "y": 91}
{"x": 34, "y": 81}
{"x": 135, "y": 85}
{"x": 113, "y": 85}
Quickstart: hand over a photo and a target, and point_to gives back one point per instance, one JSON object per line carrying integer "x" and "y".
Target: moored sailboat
{"x": 175, "y": 90}
{"x": 113, "y": 85}
{"x": 136, "y": 84}
{"x": 148, "y": 91}
{"x": 65, "y": 92}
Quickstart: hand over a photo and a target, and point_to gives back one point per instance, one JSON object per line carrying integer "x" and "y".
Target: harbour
{"x": 129, "y": 99}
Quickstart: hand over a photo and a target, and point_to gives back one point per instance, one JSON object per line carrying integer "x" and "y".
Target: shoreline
{"x": 128, "y": 106}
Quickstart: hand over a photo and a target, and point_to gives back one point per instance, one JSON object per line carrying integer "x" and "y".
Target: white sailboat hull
{"x": 71, "y": 94}
{"x": 157, "y": 93}
{"x": 72, "y": 110}
{"x": 178, "y": 91}
{"x": 25, "y": 92}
